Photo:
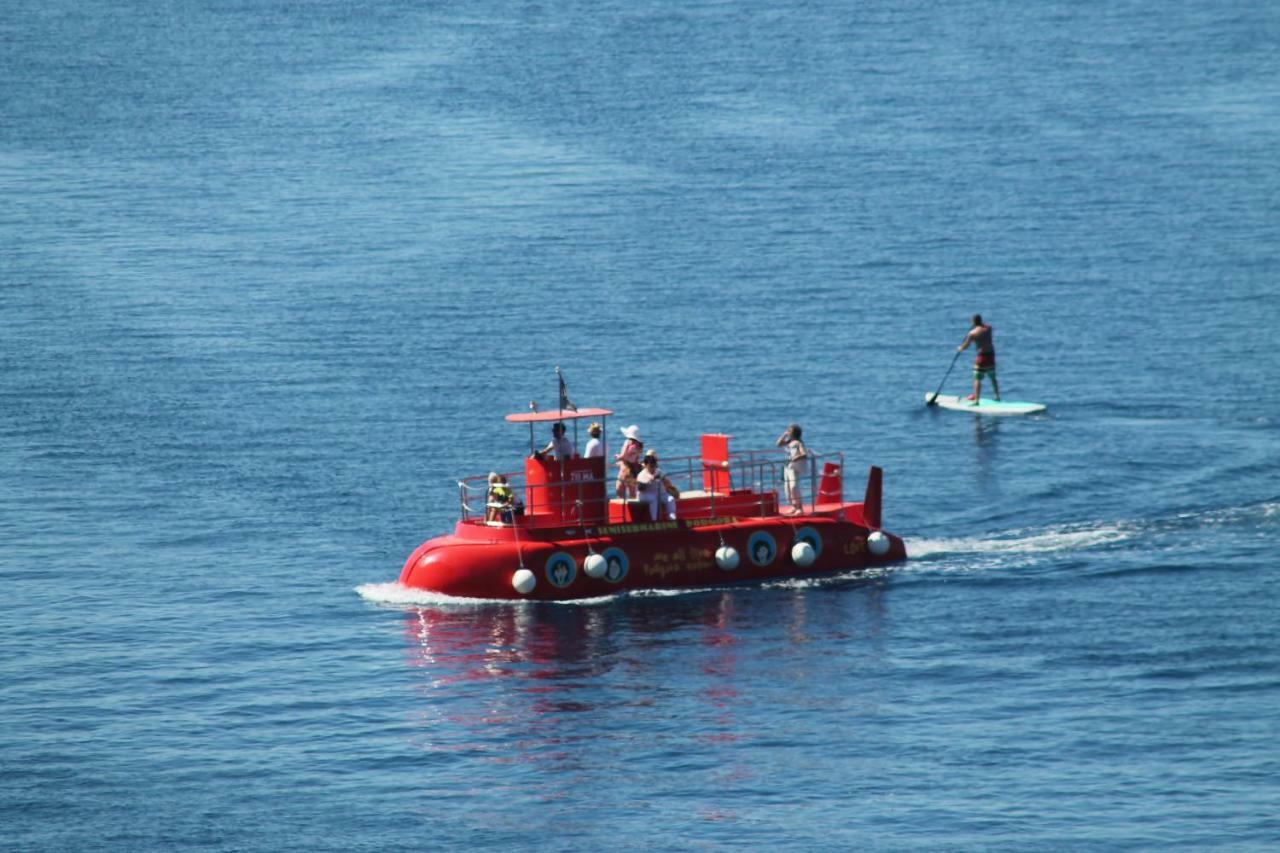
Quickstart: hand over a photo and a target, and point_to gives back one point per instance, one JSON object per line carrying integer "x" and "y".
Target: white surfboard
{"x": 985, "y": 406}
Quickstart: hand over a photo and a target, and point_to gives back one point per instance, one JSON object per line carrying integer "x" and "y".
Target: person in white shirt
{"x": 560, "y": 446}
{"x": 595, "y": 447}
{"x": 655, "y": 488}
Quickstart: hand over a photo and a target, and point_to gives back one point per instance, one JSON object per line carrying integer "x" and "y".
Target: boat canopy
{"x": 556, "y": 415}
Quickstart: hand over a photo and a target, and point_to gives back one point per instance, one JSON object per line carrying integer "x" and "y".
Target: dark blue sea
{"x": 271, "y": 274}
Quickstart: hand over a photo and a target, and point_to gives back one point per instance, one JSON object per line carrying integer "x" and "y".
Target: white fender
{"x": 878, "y": 544}
{"x": 524, "y": 581}
{"x": 727, "y": 558}
{"x": 802, "y": 554}
{"x": 595, "y": 566}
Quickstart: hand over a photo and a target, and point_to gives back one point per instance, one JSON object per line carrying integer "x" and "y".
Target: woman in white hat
{"x": 628, "y": 462}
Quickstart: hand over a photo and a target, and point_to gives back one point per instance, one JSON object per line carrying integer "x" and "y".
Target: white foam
{"x": 1239, "y": 515}
{"x": 591, "y": 602}
{"x": 1021, "y": 541}
{"x": 395, "y": 593}
{"x": 668, "y": 592}
{"x": 402, "y": 596}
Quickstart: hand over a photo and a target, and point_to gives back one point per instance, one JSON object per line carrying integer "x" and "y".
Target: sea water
{"x": 273, "y": 273}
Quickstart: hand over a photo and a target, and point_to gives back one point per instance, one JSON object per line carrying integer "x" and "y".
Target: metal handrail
{"x": 760, "y": 471}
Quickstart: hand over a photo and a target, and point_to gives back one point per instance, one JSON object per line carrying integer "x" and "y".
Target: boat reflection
{"x": 534, "y": 660}
{"x": 559, "y": 699}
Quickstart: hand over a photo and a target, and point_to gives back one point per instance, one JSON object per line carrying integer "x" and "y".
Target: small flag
{"x": 565, "y": 404}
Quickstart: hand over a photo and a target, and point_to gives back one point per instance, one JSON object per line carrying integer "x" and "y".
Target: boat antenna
{"x": 533, "y": 407}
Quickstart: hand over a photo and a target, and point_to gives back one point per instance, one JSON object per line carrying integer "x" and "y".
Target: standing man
{"x": 560, "y": 446}
{"x": 985, "y": 364}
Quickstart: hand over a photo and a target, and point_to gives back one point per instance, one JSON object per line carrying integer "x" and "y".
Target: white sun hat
{"x": 632, "y": 432}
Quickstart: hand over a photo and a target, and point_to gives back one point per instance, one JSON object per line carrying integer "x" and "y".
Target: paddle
{"x": 933, "y": 401}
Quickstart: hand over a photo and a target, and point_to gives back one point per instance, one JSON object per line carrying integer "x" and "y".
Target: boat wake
{"x": 1023, "y": 541}
{"x": 1024, "y": 546}
{"x": 396, "y": 595}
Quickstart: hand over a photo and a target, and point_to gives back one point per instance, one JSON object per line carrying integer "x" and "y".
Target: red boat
{"x": 571, "y": 537}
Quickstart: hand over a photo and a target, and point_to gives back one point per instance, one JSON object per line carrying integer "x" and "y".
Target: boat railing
{"x": 762, "y": 471}
{"x": 755, "y": 476}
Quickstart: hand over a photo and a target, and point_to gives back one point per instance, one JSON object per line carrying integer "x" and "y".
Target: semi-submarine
{"x": 561, "y": 533}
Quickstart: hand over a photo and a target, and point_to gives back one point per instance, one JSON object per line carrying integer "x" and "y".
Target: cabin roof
{"x": 556, "y": 415}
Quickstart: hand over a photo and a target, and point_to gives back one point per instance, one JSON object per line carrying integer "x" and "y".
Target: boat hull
{"x": 477, "y": 561}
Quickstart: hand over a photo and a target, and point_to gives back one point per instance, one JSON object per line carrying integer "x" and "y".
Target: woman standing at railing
{"x": 797, "y": 467}
{"x": 628, "y": 461}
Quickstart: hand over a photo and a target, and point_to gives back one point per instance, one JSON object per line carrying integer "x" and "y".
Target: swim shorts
{"x": 984, "y": 365}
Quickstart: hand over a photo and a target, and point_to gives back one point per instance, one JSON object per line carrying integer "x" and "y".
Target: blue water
{"x": 272, "y": 273}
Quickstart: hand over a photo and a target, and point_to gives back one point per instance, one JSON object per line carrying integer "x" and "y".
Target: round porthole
{"x": 761, "y": 548}
{"x": 810, "y": 535}
{"x": 561, "y": 569}
{"x": 616, "y": 564}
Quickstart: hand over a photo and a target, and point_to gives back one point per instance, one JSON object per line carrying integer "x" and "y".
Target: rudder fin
{"x": 871, "y": 502}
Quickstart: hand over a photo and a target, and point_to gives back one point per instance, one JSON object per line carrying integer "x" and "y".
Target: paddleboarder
{"x": 985, "y": 364}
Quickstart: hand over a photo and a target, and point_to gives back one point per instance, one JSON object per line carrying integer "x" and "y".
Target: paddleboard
{"x": 985, "y": 405}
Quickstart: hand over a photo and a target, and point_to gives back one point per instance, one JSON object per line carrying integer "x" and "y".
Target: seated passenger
{"x": 655, "y": 488}
{"x": 499, "y": 501}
